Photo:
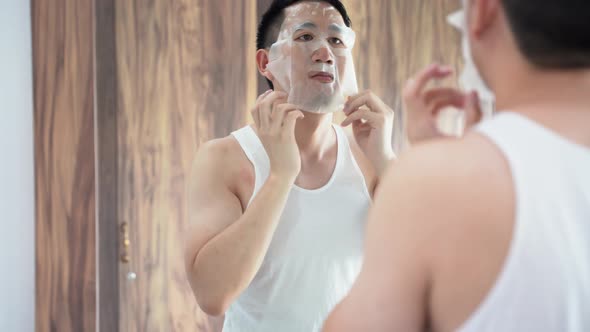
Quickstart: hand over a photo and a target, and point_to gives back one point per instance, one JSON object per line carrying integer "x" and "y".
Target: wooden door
{"x": 185, "y": 75}
{"x": 65, "y": 182}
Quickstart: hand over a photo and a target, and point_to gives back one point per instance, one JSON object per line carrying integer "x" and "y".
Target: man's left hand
{"x": 372, "y": 125}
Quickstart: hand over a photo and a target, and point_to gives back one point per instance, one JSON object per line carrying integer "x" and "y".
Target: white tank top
{"x": 316, "y": 251}
{"x": 545, "y": 281}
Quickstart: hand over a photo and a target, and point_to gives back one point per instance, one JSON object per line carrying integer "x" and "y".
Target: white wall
{"x": 17, "y": 205}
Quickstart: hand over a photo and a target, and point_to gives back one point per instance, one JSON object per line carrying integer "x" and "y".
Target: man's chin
{"x": 323, "y": 104}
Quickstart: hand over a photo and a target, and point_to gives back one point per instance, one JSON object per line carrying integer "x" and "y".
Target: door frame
{"x": 105, "y": 110}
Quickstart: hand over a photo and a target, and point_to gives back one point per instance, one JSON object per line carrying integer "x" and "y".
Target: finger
{"x": 361, "y": 114}
{"x": 441, "y": 105}
{"x": 368, "y": 99}
{"x": 266, "y": 106}
{"x": 416, "y": 84}
{"x": 432, "y": 95}
{"x": 446, "y": 100}
{"x": 359, "y": 127}
{"x": 278, "y": 101}
{"x": 290, "y": 121}
{"x": 264, "y": 115}
{"x": 256, "y": 117}
{"x": 279, "y": 113}
{"x": 256, "y": 110}
{"x": 262, "y": 96}
{"x": 473, "y": 113}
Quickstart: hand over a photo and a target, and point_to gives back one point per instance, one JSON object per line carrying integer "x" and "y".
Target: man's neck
{"x": 314, "y": 135}
{"x": 532, "y": 86}
{"x": 559, "y": 100}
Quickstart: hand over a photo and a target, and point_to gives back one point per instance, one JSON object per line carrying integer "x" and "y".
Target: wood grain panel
{"x": 185, "y": 76}
{"x": 64, "y": 165}
{"x": 395, "y": 39}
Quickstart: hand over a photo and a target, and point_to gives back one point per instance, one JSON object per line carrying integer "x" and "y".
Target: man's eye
{"x": 305, "y": 37}
{"x": 336, "y": 41}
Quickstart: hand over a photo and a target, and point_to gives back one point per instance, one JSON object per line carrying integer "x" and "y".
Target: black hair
{"x": 551, "y": 34}
{"x": 270, "y": 25}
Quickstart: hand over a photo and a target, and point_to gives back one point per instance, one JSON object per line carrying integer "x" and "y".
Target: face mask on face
{"x": 470, "y": 78}
{"x": 312, "y": 59}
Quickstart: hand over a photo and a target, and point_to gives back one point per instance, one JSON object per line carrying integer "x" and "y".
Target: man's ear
{"x": 481, "y": 16}
{"x": 262, "y": 63}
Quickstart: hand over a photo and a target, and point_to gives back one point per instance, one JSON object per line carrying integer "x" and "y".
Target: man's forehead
{"x": 310, "y": 9}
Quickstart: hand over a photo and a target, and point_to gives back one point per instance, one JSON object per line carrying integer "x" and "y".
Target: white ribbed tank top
{"x": 545, "y": 282}
{"x": 315, "y": 254}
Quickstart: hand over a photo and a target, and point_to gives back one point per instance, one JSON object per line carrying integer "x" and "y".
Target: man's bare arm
{"x": 390, "y": 292}
{"x": 225, "y": 247}
{"x": 434, "y": 198}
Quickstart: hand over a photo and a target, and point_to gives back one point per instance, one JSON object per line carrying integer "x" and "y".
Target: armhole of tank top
{"x": 472, "y": 322}
{"x": 348, "y": 149}
{"x": 241, "y": 136}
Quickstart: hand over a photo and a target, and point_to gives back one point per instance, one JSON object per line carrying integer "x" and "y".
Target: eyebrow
{"x": 306, "y": 25}
{"x": 335, "y": 27}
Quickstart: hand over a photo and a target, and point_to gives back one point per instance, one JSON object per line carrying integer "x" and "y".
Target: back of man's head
{"x": 551, "y": 34}
{"x": 270, "y": 25}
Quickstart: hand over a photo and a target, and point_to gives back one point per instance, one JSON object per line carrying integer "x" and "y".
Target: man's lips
{"x": 322, "y": 76}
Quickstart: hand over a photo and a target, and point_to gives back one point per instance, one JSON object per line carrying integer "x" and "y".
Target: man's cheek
{"x": 286, "y": 50}
{"x": 299, "y": 63}
{"x": 301, "y": 53}
{"x": 340, "y": 63}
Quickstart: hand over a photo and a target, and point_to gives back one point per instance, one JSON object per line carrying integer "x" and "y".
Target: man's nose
{"x": 323, "y": 55}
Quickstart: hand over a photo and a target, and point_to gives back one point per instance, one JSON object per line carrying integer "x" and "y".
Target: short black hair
{"x": 270, "y": 25}
{"x": 551, "y": 34}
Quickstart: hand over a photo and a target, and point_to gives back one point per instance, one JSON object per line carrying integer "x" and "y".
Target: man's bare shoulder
{"x": 456, "y": 163}
{"x": 451, "y": 188}
{"x": 223, "y": 154}
{"x": 225, "y": 159}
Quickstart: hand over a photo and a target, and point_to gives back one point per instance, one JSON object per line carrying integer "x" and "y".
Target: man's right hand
{"x": 275, "y": 125}
{"x": 423, "y": 105}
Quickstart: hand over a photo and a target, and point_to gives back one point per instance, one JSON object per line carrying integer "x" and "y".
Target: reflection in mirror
{"x": 278, "y": 207}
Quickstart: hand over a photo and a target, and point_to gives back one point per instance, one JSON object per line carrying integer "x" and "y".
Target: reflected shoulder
{"x": 453, "y": 163}
{"x": 445, "y": 186}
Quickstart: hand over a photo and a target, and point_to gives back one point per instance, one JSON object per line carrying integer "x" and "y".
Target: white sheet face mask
{"x": 312, "y": 58}
{"x": 470, "y": 78}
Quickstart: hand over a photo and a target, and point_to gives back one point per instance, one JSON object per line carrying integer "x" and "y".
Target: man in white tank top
{"x": 491, "y": 232}
{"x": 278, "y": 208}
